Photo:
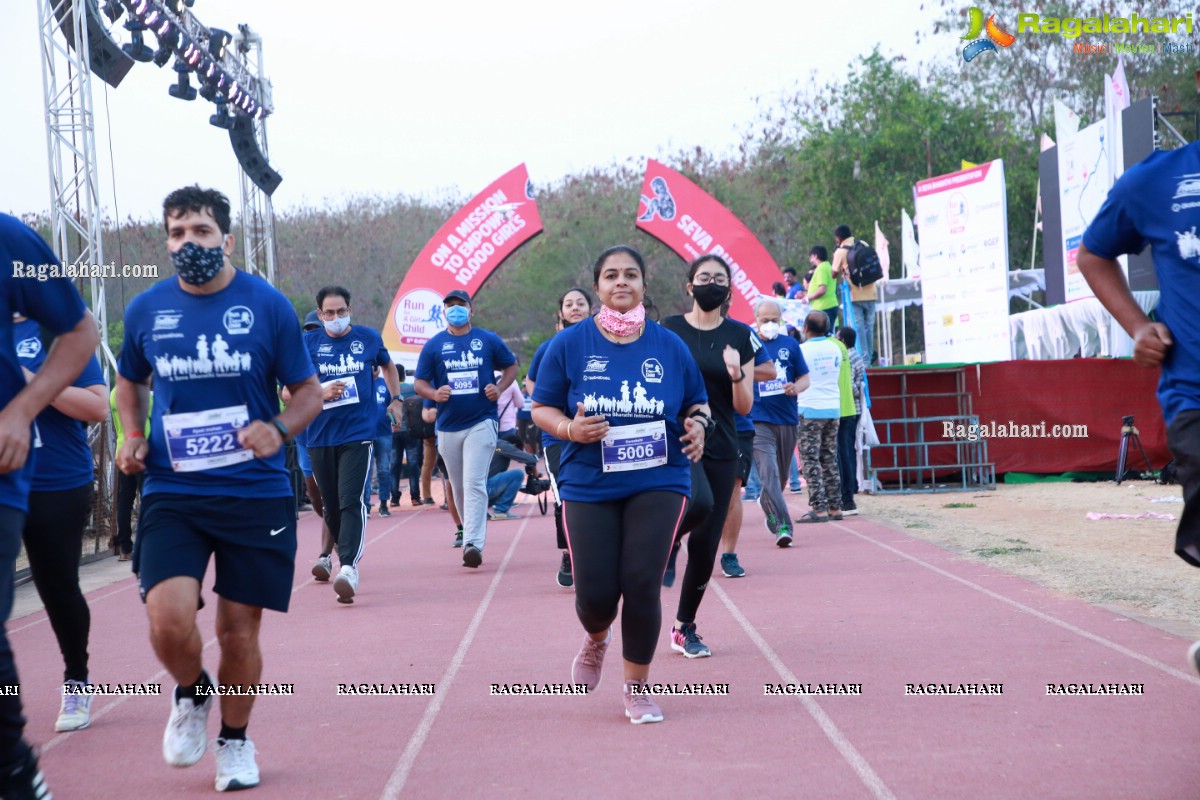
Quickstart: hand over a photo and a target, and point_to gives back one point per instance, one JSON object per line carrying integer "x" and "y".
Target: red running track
{"x": 851, "y": 603}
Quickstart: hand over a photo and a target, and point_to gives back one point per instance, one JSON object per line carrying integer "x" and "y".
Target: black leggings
{"x": 712, "y": 489}
{"x": 553, "y": 454}
{"x": 619, "y": 549}
{"x": 53, "y": 542}
{"x": 128, "y": 487}
{"x": 342, "y": 473}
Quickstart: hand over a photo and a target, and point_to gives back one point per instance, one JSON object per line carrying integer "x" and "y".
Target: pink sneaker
{"x": 639, "y": 705}
{"x": 587, "y": 666}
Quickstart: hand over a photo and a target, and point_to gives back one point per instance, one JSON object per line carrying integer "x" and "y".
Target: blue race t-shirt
{"x": 742, "y": 423}
{"x": 548, "y": 440}
{"x": 64, "y": 460}
{"x": 216, "y": 361}
{"x": 771, "y": 405}
{"x": 642, "y": 388}
{"x": 55, "y": 303}
{"x": 347, "y": 358}
{"x": 1157, "y": 203}
{"x": 467, "y": 364}
{"x": 383, "y": 399}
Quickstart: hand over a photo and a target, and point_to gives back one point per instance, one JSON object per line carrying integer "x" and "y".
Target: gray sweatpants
{"x": 468, "y": 454}
{"x": 773, "y": 446}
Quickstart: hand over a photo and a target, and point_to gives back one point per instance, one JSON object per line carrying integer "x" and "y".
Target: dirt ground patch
{"x": 1040, "y": 532}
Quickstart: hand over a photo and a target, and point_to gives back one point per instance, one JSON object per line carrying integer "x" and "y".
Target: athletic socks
{"x": 193, "y": 690}
{"x": 228, "y": 733}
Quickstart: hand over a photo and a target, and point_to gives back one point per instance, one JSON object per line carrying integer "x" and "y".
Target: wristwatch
{"x": 397, "y": 399}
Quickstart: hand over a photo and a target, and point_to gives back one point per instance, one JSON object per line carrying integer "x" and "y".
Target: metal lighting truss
{"x": 258, "y": 215}
{"x": 75, "y": 230}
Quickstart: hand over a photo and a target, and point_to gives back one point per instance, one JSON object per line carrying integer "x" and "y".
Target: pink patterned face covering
{"x": 619, "y": 324}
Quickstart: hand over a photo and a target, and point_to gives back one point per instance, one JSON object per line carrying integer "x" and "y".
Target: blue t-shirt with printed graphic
{"x": 64, "y": 460}
{"x": 771, "y": 405}
{"x": 466, "y": 363}
{"x": 347, "y": 358}
{"x": 1157, "y": 203}
{"x": 383, "y": 399}
{"x": 649, "y": 382}
{"x": 55, "y": 303}
{"x": 217, "y": 360}
{"x": 742, "y": 423}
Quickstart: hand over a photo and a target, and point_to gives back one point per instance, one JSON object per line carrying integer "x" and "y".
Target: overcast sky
{"x": 383, "y": 98}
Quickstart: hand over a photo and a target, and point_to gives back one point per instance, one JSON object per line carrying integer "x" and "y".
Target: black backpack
{"x": 417, "y": 427}
{"x": 863, "y": 264}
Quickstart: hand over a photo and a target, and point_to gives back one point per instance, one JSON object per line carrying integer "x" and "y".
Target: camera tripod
{"x": 1129, "y": 435}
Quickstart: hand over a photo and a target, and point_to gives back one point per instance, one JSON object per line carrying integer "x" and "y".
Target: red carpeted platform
{"x": 1089, "y": 392}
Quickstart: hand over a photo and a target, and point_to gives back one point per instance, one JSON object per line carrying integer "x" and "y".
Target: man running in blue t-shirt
{"x": 1156, "y": 203}
{"x": 217, "y": 341}
{"x": 341, "y": 438}
{"x": 57, "y": 305}
{"x": 455, "y": 370}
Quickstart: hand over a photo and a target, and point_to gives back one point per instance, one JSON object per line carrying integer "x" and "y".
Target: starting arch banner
{"x": 462, "y": 255}
{"x": 692, "y": 223}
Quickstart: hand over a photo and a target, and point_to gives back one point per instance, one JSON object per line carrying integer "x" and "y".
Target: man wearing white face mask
{"x": 456, "y": 370}
{"x": 775, "y": 417}
{"x": 340, "y": 439}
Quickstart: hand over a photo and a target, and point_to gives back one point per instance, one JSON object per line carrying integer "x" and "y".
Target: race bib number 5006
{"x": 629, "y": 447}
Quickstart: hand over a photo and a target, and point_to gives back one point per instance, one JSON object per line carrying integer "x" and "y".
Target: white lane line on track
{"x": 838, "y": 739}
{"x": 1125, "y": 651}
{"x": 408, "y": 758}
{"x": 162, "y": 673}
{"x": 90, "y": 601}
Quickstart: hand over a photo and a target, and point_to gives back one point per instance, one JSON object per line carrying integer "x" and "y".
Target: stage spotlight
{"x": 221, "y": 119}
{"x": 106, "y": 59}
{"x": 167, "y": 42}
{"x": 249, "y": 155}
{"x": 217, "y": 42}
{"x": 183, "y": 87}
{"x": 113, "y": 10}
{"x": 137, "y": 49}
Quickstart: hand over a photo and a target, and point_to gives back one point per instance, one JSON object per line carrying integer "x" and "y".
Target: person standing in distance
{"x": 218, "y": 342}
{"x": 58, "y": 306}
{"x": 1145, "y": 208}
{"x": 638, "y": 398}
{"x": 340, "y": 439}
{"x": 455, "y": 370}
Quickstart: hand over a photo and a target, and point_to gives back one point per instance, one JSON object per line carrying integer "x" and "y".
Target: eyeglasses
{"x": 705, "y": 278}
{"x": 340, "y": 313}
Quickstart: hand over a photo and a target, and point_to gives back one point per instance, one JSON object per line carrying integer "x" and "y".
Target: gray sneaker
{"x": 730, "y": 567}
{"x": 322, "y": 568}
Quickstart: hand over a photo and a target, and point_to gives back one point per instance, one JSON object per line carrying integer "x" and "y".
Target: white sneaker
{"x": 323, "y": 568}
{"x": 187, "y": 732}
{"x": 236, "y": 767}
{"x": 346, "y": 583}
{"x": 75, "y": 714}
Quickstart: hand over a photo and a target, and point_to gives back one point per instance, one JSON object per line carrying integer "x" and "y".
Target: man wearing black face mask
{"x": 725, "y": 353}
{"x": 217, "y": 341}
